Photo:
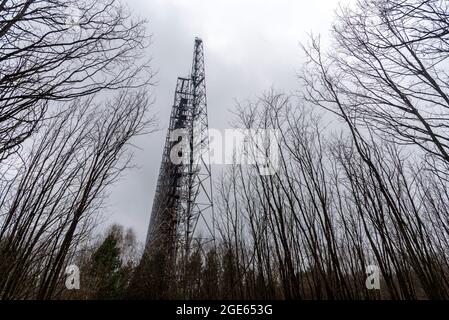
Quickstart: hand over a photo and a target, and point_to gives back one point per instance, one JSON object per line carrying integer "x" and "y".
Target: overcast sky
{"x": 250, "y": 46}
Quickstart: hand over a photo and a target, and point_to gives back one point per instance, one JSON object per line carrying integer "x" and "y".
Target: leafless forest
{"x": 363, "y": 177}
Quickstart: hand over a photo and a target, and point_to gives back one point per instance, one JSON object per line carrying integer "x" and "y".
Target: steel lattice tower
{"x": 183, "y": 198}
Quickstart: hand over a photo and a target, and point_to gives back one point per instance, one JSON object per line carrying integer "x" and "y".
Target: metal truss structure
{"x": 183, "y": 204}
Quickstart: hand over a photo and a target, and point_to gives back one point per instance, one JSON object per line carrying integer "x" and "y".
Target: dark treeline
{"x": 362, "y": 175}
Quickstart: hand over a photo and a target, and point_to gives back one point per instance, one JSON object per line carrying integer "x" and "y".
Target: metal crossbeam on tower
{"x": 183, "y": 200}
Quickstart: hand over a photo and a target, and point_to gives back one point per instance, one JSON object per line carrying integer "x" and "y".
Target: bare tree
{"x": 60, "y": 186}
{"x": 388, "y": 71}
{"x": 59, "y": 51}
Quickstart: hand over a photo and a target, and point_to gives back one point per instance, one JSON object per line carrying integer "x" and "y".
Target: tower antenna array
{"x": 183, "y": 202}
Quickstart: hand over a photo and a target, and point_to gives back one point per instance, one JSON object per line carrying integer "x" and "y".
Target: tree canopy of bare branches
{"x": 57, "y": 191}
{"x": 388, "y": 72}
{"x": 59, "y": 51}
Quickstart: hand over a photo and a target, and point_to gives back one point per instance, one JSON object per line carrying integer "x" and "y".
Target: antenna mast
{"x": 183, "y": 202}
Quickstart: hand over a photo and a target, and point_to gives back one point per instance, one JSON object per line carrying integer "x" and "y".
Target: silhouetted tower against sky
{"x": 183, "y": 207}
